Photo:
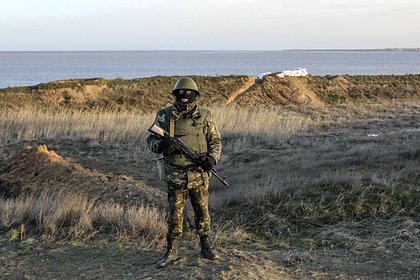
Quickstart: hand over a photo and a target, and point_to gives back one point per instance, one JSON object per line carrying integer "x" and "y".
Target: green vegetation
{"x": 295, "y": 213}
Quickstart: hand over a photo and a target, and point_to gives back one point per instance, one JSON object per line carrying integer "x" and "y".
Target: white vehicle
{"x": 262, "y": 75}
{"x": 298, "y": 72}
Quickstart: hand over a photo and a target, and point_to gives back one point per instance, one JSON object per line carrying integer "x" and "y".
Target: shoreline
{"x": 303, "y": 50}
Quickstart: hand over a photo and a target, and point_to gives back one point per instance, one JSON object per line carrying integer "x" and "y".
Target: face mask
{"x": 185, "y": 96}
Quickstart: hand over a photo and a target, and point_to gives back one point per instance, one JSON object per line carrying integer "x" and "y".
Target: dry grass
{"x": 77, "y": 216}
{"x": 131, "y": 127}
{"x": 30, "y": 123}
{"x": 269, "y": 154}
{"x": 331, "y": 147}
{"x": 59, "y": 215}
{"x": 265, "y": 126}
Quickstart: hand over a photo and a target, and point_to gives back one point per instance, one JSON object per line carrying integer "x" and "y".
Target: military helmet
{"x": 185, "y": 83}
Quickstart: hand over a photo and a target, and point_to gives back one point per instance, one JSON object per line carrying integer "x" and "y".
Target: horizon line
{"x": 221, "y": 50}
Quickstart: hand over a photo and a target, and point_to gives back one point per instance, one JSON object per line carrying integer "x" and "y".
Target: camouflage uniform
{"x": 197, "y": 129}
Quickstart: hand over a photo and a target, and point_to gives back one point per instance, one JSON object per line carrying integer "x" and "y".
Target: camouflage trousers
{"x": 177, "y": 196}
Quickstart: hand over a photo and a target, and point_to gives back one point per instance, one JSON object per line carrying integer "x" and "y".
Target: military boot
{"x": 206, "y": 250}
{"x": 170, "y": 256}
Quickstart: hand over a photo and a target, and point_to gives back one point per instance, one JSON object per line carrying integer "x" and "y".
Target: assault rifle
{"x": 196, "y": 157}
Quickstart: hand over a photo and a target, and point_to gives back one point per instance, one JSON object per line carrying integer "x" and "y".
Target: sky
{"x": 53, "y": 25}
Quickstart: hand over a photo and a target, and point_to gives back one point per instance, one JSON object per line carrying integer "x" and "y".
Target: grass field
{"x": 317, "y": 192}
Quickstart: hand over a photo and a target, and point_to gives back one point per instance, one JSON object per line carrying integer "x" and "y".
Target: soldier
{"x": 195, "y": 126}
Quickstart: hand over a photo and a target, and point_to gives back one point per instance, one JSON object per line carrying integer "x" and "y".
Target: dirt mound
{"x": 274, "y": 90}
{"x": 77, "y": 95}
{"x": 39, "y": 169}
{"x": 341, "y": 82}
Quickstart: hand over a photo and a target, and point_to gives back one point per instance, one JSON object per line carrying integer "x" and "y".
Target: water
{"x": 30, "y": 68}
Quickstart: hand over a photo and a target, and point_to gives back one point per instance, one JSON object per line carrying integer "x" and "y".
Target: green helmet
{"x": 185, "y": 83}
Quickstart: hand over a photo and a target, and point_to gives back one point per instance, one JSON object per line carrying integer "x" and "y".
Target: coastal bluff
{"x": 147, "y": 94}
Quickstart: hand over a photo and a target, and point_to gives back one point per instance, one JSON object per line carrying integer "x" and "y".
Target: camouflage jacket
{"x": 199, "y": 131}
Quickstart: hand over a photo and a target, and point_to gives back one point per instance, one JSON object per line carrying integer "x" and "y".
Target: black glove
{"x": 167, "y": 148}
{"x": 207, "y": 163}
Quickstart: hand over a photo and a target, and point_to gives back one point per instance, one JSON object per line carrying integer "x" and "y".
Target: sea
{"x": 31, "y": 68}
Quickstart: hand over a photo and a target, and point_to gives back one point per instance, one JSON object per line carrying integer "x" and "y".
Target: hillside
{"x": 147, "y": 94}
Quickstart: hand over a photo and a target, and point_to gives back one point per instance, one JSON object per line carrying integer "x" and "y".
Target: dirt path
{"x": 111, "y": 261}
{"x": 30, "y": 259}
{"x": 241, "y": 90}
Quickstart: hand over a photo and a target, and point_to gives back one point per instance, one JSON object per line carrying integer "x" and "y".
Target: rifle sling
{"x": 171, "y": 127}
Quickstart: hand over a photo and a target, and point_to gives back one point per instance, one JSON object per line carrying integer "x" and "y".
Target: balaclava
{"x": 185, "y": 99}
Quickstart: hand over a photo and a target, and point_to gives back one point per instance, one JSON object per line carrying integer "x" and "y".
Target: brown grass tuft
{"x": 60, "y": 215}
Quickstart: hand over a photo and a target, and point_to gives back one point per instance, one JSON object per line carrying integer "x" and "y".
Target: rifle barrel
{"x": 214, "y": 172}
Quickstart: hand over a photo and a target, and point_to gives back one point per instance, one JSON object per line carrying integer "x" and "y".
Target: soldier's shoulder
{"x": 166, "y": 109}
{"x": 205, "y": 112}
{"x": 163, "y": 115}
